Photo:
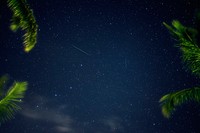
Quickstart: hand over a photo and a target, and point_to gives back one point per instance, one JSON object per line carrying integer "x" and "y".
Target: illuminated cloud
{"x": 113, "y": 123}
{"x": 61, "y": 122}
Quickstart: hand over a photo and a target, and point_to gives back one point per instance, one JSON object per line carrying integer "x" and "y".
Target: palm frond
{"x": 169, "y": 102}
{"x": 188, "y": 45}
{"x": 24, "y": 19}
{"x": 9, "y": 104}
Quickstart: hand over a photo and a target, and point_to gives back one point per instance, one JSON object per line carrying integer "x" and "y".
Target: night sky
{"x": 99, "y": 66}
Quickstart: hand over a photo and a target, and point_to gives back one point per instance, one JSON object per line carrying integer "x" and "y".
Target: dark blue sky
{"x": 100, "y": 66}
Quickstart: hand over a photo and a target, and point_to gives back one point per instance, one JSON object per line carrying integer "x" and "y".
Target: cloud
{"x": 61, "y": 122}
{"x": 113, "y": 123}
{"x": 49, "y": 112}
{"x": 63, "y": 129}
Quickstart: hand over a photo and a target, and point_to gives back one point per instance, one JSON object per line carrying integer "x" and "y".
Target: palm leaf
{"x": 170, "y": 101}
{"x": 188, "y": 45}
{"x": 9, "y": 104}
{"x": 24, "y": 19}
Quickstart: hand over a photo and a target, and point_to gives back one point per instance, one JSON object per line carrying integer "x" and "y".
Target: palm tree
{"x": 188, "y": 44}
{"x": 9, "y": 100}
{"x": 23, "y": 19}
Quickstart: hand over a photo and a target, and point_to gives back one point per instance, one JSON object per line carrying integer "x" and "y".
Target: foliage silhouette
{"x": 188, "y": 39}
{"x": 23, "y": 19}
{"x": 9, "y": 101}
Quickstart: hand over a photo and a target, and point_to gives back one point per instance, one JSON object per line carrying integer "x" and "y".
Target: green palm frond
{"x": 188, "y": 42}
{"x": 24, "y": 19}
{"x": 170, "y": 101}
{"x": 187, "y": 39}
{"x": 9, "y": 104}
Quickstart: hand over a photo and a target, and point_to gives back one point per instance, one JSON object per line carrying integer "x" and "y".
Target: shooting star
{"x": 80, "y": 50}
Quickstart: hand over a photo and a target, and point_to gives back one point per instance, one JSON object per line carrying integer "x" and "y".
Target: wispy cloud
{"x": 113, "y": 123}
{"x": 61, "y": 122}
{"x": 41, "y": 109}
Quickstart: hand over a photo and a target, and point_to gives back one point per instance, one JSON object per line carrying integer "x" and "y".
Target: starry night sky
{"x": 99, "y": 66}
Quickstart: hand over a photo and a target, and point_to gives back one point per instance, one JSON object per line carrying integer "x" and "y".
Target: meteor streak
{"x": 80, "y": 50}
